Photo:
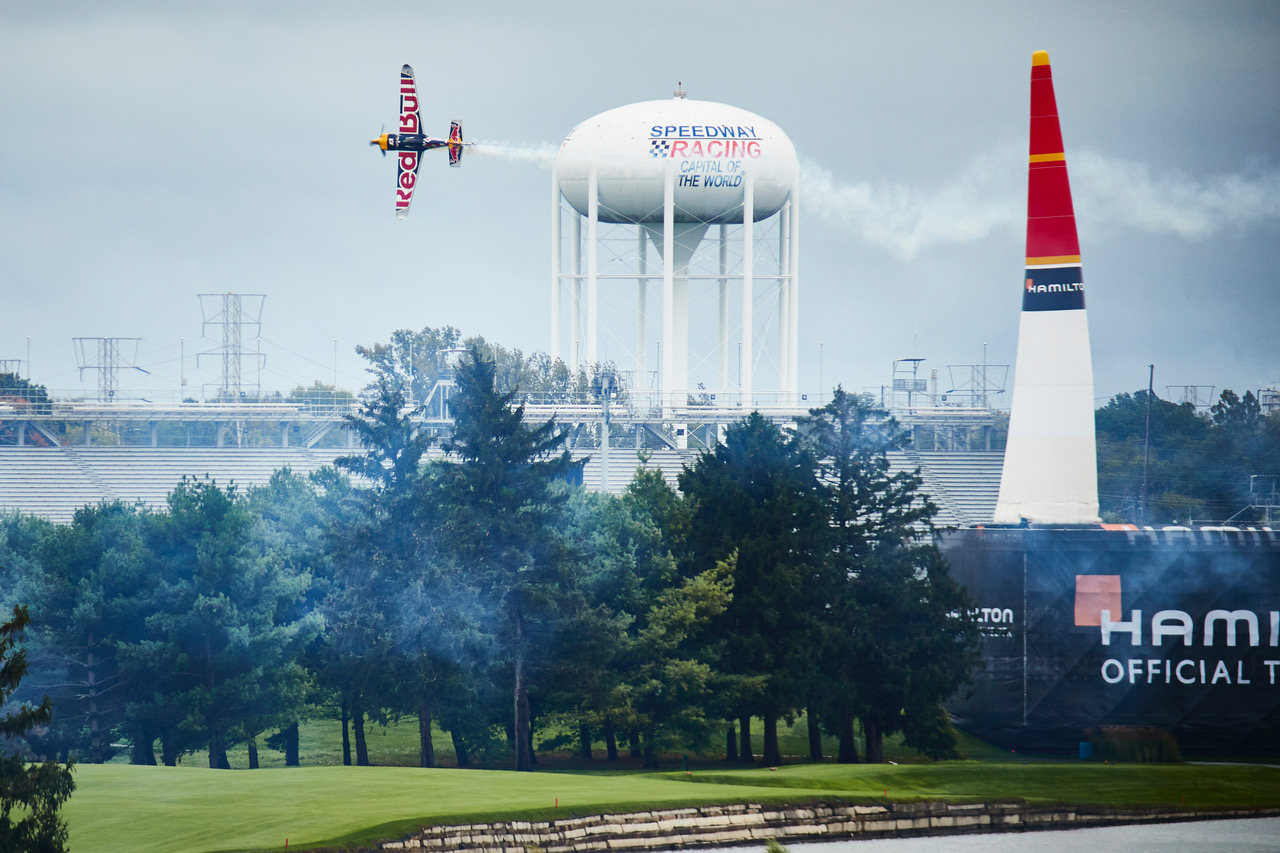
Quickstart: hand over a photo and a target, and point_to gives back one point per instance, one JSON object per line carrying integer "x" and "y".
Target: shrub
{"x": 1140, "y": 744}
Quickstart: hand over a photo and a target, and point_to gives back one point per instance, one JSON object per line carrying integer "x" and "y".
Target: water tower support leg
{"x": 723, "y": 340}
{"x": 668, "y": 289}
{"x": 555, "y": 265}
{"x": 593, "y": 265}
{"x": 784, "y": 299}
{"x": 575, "y": 299}
{"x": 642, "y": 294}
{"x": 680, "y": 343}
{"x": 793, "y": 263}
{"x": 748, "y": 285}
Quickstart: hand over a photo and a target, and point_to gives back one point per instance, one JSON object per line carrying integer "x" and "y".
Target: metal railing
{"x": 316, "y": 411}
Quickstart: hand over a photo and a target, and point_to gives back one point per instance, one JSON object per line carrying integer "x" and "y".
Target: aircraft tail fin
{"x": 455, "y": 144}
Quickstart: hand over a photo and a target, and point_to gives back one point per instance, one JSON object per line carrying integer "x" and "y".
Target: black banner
{"x": 1176, "y": 629}
{"x": 1053, "y": 289}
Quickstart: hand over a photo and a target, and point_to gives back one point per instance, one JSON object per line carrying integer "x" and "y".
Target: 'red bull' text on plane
{"x": 409, "y": 143}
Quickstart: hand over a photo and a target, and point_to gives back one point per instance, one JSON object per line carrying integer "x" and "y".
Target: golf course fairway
{"x": 118, "y": 808}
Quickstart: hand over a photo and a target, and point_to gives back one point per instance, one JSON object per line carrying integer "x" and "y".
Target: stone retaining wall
{"x": 745, "y": 825}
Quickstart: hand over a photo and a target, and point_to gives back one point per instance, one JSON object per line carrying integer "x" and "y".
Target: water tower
{"x": 660, "y": 174}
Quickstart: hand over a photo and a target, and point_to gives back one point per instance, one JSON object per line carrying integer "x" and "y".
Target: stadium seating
{"x": 54, "y": 482}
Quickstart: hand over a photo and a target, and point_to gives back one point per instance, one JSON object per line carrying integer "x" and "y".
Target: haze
{"x": 150, "y": 152}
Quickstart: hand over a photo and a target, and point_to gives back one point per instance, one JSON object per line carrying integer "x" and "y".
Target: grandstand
{"x": 963, "y": 485}
{"x": 53, "y": 482}
{"x": 59, "y": 455}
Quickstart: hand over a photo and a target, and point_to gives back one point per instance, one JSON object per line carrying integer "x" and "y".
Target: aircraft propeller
{"x": 378, "y": 141}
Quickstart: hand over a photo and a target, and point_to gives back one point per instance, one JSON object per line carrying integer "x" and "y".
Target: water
{"x": 1257, "y": 835}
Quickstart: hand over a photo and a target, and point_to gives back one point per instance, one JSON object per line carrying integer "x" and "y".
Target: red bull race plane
{"x": 410, "y": 142}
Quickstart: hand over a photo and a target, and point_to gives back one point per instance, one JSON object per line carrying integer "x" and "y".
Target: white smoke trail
{"x": 989, "y": 194}
{"x": 1116, "y": 192}
{"x": 540, "y": 154}
{"x": 905, "y": 220}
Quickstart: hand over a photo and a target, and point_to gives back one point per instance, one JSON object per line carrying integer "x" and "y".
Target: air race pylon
{"x": 1050, "y": 462}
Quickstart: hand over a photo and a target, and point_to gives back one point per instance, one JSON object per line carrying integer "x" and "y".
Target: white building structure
{"x": 1050, "y": 462}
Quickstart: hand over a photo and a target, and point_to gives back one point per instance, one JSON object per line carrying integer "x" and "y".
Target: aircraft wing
{"x": 406, "y": 179}
{"x": 410, "y": 122}
{"x": 408, "y": 162}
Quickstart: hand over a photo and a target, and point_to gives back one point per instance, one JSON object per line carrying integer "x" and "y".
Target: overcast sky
{"x": 150, "y": 152}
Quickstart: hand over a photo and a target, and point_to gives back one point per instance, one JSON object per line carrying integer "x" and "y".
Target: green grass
{"x": 124, "y": 808}
{"x": 117, "y": 807}
{"x": 127, "y": 808}
{"x": 1121, "y": 785}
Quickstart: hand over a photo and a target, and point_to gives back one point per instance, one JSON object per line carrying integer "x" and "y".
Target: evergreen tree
{"x": 388, "y": 556}
{"x": 671, "y": 676}
{"x": 96, "y": 580}
{"x": 358, "y": 656}
{"x": 640, "y": 656}
{"x": 223, "y": 637}
{"x": 500, "y": 508}
{"x": 914, "y": 645}
{"x": 896, "y": 640}
{"x": 755, "y": 501}
{"x": 584, "y": 690}
{"x": 293, "y": 513}
{"x": 21, "y": 538}
{"x": 30, "y": 796}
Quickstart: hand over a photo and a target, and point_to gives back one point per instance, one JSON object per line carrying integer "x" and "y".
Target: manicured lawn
{"x": 138, "y": 809}
{"x": 1124, "y": 785}
{"x": 123, "y": 808}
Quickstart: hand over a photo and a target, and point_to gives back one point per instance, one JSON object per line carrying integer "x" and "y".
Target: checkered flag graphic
{"x": 659, "y": 147}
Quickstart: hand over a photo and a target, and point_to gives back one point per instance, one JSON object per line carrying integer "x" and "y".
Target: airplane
{"x": 410, "y": 141}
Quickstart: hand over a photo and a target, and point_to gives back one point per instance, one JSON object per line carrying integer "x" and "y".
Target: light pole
{"x": 603, "y": 385}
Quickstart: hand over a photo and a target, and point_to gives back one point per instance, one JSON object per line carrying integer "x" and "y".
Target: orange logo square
{"x": 1094, "y": 594}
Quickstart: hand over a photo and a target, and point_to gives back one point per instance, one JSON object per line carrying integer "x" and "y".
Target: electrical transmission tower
{"x": 103, "y": 355}
{"x": 1199, "y": 396}
{"x": 233, "y": 312}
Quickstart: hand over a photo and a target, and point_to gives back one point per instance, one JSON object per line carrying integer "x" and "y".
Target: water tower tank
{"x": 710, "y": 147}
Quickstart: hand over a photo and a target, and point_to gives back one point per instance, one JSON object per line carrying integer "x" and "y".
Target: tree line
{"x": 471, "y": 585}
{"x": 1168, "y": 463}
